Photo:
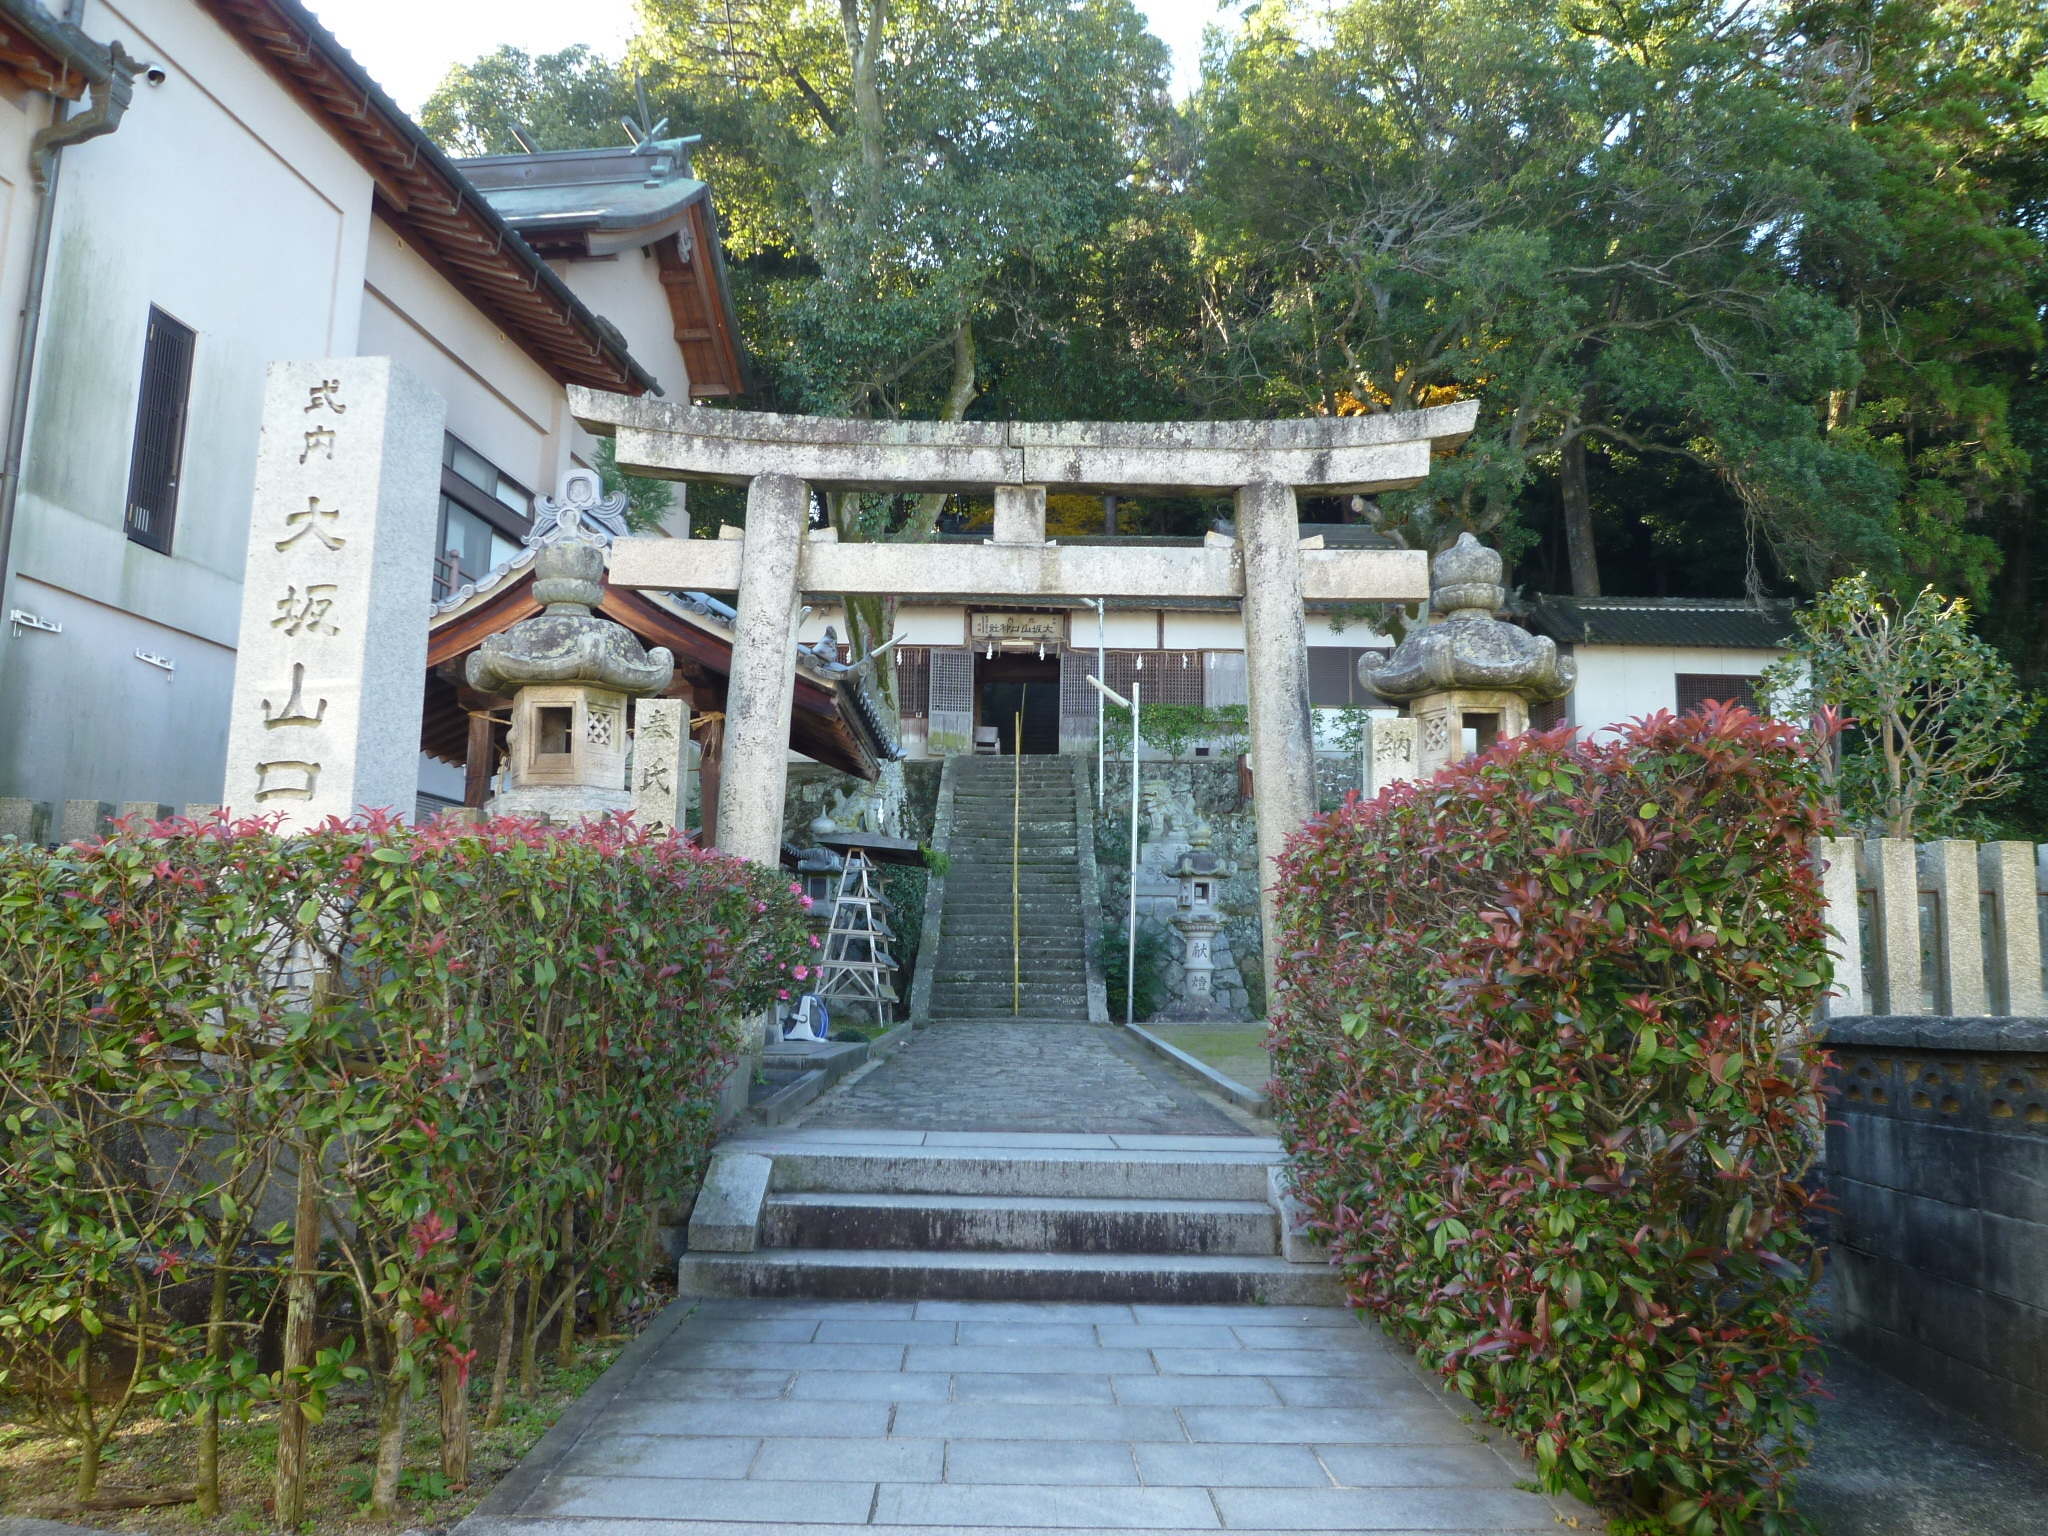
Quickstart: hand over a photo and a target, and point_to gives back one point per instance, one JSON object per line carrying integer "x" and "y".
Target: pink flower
{"x": 801, "y": 972}
{"x": 807, "y": 902}
{"x": 814, "y": 941}
{"x": 760, "y": 906}
{"x": 784, "y": 993}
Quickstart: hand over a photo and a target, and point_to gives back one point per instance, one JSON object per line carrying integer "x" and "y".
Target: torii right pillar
{"x": 1283, "y": 748}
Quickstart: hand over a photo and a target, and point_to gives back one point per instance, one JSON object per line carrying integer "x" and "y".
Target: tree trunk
{"x": 502, "y": 1373}
{"x": 88, "y": 1428}
{"x": 863, "y": 48}
{"x": 455, "y": 1421}
{"x": 565, "y": 1342}
{"x": 529, "y": 1337}
{"x": 298, "y": 1344}
{"x": 391, "y": 1425}
{"x": 924, "y": 513}
{"x": 1578, "y": 519}
{"x": 209, "y": 1419}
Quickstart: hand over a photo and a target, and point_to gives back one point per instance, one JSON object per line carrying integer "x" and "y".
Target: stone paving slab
{"x": 1071, "y": 1083}
{"x": 996, "y": 1418}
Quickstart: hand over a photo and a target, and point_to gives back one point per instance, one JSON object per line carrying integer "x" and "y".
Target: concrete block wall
{"x": 1937, "y": 1167}
{"x": 49, "y": 823}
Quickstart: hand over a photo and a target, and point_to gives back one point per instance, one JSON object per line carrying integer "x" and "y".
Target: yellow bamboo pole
{"x": 1016, "y": 848}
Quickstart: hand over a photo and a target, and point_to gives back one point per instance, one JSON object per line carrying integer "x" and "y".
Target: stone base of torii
{"x": 1269, "y": 567}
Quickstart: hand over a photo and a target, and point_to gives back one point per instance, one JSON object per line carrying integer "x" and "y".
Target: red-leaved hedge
{"x": 1544, "y": 1067}
{"x": 434, "y": 1075}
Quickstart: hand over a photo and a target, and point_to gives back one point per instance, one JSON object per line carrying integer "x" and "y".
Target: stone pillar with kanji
{"x": 335, "y": 594}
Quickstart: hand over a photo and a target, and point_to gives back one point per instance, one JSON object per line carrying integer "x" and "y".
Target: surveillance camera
{"x": 154, "y": 76}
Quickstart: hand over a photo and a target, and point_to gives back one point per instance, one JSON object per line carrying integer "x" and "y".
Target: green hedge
{"x": 1543, "y": 1063}
{"x": 437, "y": 1069}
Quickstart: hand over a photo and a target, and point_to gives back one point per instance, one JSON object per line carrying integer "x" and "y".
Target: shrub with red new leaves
{"x": 481, "y": 1058}
{"x": 1544, "y": 1069}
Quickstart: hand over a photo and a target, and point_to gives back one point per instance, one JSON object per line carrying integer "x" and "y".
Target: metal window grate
{"x": 158, "y": 454}
{"x": 1696, "y": 688}
{"x": 913, "y": 681}
{"x": 951, "y": 700}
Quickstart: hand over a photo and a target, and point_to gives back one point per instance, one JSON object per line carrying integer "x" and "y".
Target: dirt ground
{"x": 152, "y": 1455}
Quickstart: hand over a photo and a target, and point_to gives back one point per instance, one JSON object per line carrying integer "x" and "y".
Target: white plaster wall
{"x": 1331, "y": 629}
{"x": 22, "y": 113}
{"x": 1197, "y": 631}
{"x": 103, "y": 725}
{"x": 939, "y": 625}
{"x": 220, "y": 201}
{"x": 500, "y": 402}
{"x": 1618, "y": 683}
{"x": 626, "y": 289}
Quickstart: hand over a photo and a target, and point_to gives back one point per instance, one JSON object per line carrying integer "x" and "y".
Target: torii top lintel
{"x": 1317, "y": 455}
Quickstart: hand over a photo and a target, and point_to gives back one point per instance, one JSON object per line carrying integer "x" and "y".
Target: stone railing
{"x": 1950, "y": 928}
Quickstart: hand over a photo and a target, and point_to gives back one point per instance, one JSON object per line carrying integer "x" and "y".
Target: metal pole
{"x": 1131, "y": 935}
{"x": 1101, "y": 671}
{"x": 1016, "y": 844}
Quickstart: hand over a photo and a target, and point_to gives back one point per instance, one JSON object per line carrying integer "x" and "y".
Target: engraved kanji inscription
{"x": 306, "y": 610}
{"x": 286, "y": 778}
{"x": 314, "y": 519}
{"x": 326, "y": 395}
{"x": 317, "y": 439}
{"x": 294, "y": 711}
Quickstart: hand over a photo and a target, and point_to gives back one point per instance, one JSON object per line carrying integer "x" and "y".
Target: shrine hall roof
{"x": 1707, "y": 623}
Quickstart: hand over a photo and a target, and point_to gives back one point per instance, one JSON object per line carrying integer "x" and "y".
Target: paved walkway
{"x": 774, "y": 1415}
{"x": 1025, "y": 1077}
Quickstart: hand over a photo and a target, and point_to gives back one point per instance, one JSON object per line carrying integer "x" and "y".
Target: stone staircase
{"x": 972, "y": 979}
{"x": 1002, "y": 1217}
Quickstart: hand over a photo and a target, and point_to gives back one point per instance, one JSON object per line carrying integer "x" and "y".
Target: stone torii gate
{"x": 1269, "y": 567}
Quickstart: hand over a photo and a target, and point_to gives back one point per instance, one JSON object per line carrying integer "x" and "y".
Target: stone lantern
{"x": 569, "y": 671}
{"x": 1465, "y": 672}
{"x": 1201, "y": 875}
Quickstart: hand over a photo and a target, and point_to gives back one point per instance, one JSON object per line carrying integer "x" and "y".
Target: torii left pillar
{"x": 754, "y": 772}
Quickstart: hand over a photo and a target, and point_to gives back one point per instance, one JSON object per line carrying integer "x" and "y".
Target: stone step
{"x": 868, "y": 1274}
{"x": 990, "y": 999}
{"x": 1039, "y": 979}
{"x": 1218, "y": 1168}
{"x": 1019, "y": 1224}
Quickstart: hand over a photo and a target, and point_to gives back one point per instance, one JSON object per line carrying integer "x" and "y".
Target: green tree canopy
{"x": 1932, "y": 721}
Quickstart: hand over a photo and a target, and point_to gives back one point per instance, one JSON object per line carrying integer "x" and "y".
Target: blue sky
{"x": 409, "y": 45}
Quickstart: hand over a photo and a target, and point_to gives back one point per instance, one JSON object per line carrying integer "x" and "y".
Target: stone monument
{"x": 333, "y": 644}
{"x": 661, "y": 763}
{"x": 570, "y": 672}
{"x": 1465, "y": 671}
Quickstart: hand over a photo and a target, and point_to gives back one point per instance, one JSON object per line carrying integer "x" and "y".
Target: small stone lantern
{"x": 569, "y": 671}
{"x": 1468, "y": 671}
{"x": 1201, "y": 875}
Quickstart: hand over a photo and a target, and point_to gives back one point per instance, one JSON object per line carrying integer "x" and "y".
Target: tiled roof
{"x": 1734, "y": 624}
{"x": 422, "y": 195}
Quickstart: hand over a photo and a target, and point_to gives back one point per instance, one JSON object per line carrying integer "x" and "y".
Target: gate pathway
{"x": 757, "y": 1416}
{"x": 1002, "y": 1076}
{"x": 793, "y": 1404}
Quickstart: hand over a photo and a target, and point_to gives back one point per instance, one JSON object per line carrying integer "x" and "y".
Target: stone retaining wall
{"x": 1937, "y": 1163}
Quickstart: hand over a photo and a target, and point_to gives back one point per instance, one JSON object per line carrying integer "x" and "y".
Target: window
{"x": 1696, "y": 688}
{"x": 158, "y": 454}
{"x": 484, "y": 515}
